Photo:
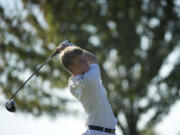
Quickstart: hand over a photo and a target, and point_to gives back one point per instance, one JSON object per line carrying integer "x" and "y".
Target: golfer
{"x": 85, "y": 84}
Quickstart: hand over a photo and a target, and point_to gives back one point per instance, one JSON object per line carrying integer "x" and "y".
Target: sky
{"x": 21, "y": 124}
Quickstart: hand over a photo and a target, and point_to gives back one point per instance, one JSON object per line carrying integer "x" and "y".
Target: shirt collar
{"x": 76, "y": 78}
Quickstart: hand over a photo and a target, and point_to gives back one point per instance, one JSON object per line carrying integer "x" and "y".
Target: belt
{"x": 107, "y": 130}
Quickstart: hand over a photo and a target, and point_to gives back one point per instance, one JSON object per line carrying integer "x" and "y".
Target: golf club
{"x": 10, "y": 104}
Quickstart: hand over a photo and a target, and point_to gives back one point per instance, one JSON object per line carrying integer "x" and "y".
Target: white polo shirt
{"x": 89, "y": 90}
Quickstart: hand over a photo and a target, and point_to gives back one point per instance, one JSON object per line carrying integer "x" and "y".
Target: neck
{"x": 75, "y": 74}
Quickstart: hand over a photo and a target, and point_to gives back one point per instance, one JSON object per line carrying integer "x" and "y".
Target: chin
{"x": 87, "y": 70}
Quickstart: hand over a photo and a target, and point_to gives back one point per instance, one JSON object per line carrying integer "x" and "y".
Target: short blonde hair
{"x": 68, "y": 54}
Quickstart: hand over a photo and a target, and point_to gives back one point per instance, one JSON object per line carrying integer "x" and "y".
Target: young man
{"x": 86, "y": 85}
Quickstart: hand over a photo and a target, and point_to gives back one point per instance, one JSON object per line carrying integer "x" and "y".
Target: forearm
{"x": 90, "y": 57}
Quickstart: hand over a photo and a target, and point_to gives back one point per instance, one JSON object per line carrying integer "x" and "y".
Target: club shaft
{"x": 35, "y": 72}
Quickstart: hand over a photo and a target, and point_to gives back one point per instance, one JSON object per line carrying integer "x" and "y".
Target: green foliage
{"x": 132, "y": 40}
{"x": 22, "y": 50}
{"x": 148, "y": 132}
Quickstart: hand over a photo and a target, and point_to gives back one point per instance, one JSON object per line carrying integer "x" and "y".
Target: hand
{"x": 61, "y": 47}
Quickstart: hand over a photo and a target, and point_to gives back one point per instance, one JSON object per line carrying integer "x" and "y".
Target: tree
{"x": 132, "y": 40}
{"x": 22, "y": 51}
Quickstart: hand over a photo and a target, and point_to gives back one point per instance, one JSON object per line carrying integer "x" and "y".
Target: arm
{"x": 90, "y": 57}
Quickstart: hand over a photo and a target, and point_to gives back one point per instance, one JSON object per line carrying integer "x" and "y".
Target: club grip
{"x": 54, "y": 54}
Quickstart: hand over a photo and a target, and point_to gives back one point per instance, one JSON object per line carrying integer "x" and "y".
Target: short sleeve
{"x": 93, "y": 76}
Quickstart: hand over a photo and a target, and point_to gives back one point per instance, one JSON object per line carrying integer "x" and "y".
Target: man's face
{"x": 80, "y": 65}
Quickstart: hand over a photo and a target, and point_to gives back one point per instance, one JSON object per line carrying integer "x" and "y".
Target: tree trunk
{"x": 133, "y": 129}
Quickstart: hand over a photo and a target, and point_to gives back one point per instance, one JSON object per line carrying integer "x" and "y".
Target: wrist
{"x": 66, "y": 42}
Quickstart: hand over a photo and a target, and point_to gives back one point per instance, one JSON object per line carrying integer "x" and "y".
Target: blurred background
{"x": 137, "y": 43}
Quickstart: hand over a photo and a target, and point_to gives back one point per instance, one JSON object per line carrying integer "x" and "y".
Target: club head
{"x": 11, "y": 105}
